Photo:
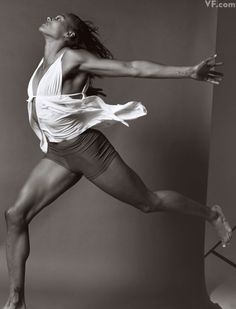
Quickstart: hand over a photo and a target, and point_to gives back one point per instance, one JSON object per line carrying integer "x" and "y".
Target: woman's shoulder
{"x": 78, "y": 54}
{"x": 74, "y": 58}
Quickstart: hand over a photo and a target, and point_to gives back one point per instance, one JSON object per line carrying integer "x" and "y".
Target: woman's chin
{"x": 42, "y": 28}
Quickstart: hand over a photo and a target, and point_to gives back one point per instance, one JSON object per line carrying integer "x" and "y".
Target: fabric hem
{"x": 58, "y": 162}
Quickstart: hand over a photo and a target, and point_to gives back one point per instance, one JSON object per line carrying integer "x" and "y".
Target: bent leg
{"x": 46, "y": 182}
{"x": 123, "y": 183}
{"x": 120, "y": 181}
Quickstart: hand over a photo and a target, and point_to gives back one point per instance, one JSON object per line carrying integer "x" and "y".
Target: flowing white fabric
{"x": 62, "y": 117}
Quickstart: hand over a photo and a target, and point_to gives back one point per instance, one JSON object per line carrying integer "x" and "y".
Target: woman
{"x": 63, "y": 107}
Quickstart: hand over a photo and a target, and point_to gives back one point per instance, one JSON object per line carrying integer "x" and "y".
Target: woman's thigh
{"x": 123, "y": 183}
{"x": 45, "y": 183}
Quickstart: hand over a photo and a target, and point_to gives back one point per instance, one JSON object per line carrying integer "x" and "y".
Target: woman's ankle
{"x": 212, "y": 214}
{"x": 16, "y": 297}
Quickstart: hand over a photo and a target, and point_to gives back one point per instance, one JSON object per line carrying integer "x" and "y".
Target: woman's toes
{"x": 222, "y": 226}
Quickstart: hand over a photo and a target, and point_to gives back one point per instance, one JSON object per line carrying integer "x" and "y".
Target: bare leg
{"x": 47, "y": 181}
{"x": 120, "y": 181}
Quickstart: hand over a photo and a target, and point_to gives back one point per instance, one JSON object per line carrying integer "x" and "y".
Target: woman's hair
{"x": 86, "y": 37}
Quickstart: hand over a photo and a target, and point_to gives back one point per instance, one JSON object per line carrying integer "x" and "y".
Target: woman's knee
{"x": 151, "y": 203}
{"x": 15, "y": 217}
{"x": 159, "y": 201}
{"x": 172, "y": 197}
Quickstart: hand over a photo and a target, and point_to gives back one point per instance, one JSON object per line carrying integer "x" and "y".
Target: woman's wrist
{"x": 187, "y": 72}
{"x": 178, "y": 72}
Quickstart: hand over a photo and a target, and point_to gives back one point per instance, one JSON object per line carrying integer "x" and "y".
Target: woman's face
{"x": 55, "y": 27}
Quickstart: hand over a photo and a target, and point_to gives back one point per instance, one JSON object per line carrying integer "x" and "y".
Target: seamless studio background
{"x": 88, "y": 249}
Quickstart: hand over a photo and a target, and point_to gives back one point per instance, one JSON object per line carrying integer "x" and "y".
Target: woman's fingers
{"x": 212, "y": 81}
{"x": 215, "y": 76}
{"x": 211, "y": 71}
{"x": 208, "y": 66}
{"x": 213, "y": 65}
{"x": 210, "y": 58}
{"x": 218, "y": 63}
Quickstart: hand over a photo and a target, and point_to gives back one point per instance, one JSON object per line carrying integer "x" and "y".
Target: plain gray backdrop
{"x": 87, "y": 248}
{"x": 221, "y": 277}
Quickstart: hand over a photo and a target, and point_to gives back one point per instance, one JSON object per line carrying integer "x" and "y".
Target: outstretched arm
{"x": 204, "y": 71}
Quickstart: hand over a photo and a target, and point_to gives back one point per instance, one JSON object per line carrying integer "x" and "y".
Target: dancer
{"x": 65, "y": 111}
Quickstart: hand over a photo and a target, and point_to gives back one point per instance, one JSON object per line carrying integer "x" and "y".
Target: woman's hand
{"x": 205, "y": 71}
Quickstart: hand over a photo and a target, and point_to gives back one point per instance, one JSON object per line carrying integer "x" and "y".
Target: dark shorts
{"x": 88, "y": 154}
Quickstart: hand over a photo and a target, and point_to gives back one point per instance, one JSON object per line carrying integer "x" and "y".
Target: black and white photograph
{"x": 118, "y": 154}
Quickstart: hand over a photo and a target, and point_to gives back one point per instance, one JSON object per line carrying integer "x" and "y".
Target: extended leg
{"x": 46, "y": 182}
{"x": 120, "y": 181}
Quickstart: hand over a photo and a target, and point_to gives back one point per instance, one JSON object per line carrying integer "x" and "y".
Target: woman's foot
{"x": 14, "y": 306}
{"x": 221, "y": 225}
{"x": 14, "y": 302}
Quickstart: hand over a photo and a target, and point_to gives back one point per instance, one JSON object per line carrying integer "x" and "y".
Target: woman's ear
{"x": 69, "y": 34}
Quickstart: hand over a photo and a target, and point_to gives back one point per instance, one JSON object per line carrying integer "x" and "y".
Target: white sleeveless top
{"x": 62, "y": 117}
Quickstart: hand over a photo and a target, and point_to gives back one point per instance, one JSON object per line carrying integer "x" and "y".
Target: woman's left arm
{"x": 204, "y": 71}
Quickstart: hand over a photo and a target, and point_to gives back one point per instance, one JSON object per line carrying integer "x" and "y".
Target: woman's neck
{"x": 51, "y": 49}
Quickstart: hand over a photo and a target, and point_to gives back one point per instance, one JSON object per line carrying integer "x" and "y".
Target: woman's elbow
{"x": 133, "y": 69}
